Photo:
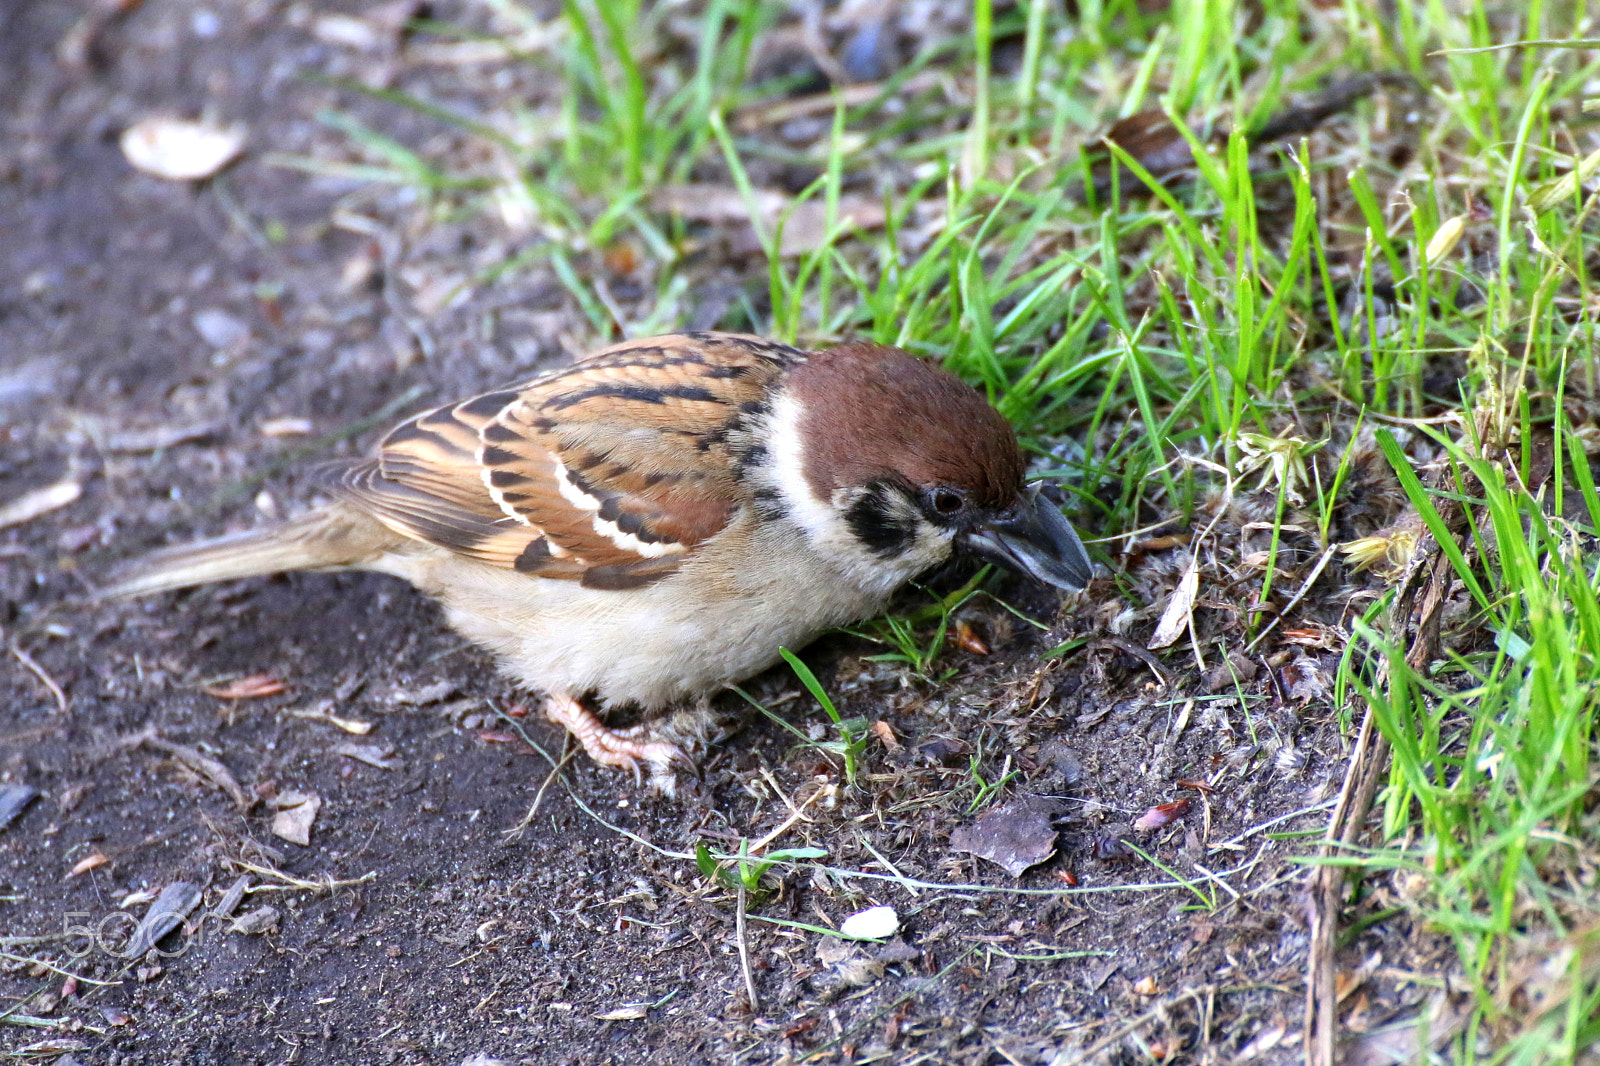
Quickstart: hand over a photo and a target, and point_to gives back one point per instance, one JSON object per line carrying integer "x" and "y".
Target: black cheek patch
{"x": 873, "y": 520}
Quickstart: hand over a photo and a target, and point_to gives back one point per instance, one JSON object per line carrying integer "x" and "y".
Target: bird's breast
{"x": 715, "y": 621}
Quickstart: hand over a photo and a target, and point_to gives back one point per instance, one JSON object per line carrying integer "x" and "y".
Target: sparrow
{"x": 654, "y": 522}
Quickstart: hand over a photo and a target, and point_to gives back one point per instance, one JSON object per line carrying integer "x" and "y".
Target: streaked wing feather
{"x": 609, "y": 472}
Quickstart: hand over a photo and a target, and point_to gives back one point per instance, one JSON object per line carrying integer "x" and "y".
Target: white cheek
{"x": 823, "y": 520}
{"x": 816, "y": 516}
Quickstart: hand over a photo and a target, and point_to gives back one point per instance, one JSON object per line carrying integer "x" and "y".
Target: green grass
{"x": 1420, "y": 266}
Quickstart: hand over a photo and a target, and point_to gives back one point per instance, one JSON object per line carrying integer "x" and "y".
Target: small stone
{"x": 220, "y": 329}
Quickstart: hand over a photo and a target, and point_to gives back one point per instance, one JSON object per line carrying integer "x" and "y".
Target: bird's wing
{"x": 608, "y": 472}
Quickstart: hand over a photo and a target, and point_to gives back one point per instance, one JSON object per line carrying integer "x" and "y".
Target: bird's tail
{"x": 327, "y": 539}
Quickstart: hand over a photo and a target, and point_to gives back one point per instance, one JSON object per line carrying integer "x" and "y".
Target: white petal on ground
{"x": 874, "y": 923}
{"x": 179, "y": 150}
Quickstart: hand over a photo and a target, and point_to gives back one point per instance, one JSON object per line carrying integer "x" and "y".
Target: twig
{"x": 1367, "y": 762}
{"x": 38, "y": 671}
{"x": 31, "y": 960}
{"x": 516, "y": 831}
{"x": 204, "y": 765}
{"x": 744, "y": 953}
{"x": 292, "y": 883}
{"x": 798, "y": 815}
{"x": 1127, "y": 1027}
{"x": 1305, "y": 587}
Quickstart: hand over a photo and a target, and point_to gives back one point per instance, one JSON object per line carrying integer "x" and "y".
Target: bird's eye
{"x": 947, "y": 501}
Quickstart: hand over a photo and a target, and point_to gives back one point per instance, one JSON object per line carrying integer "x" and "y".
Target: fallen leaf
{"x": 296, "y": 812}
{"x": 205, "y": 766}
{"x": 156, "y": 438}
{"x": 285, "y": 427}
{"x": 179, "y": 150}
{"x": 371, "y": 754}
{"x": 232, "y": 898}
{"x": 87, "y": 863}
{"x": 1014, "y": 836}
{"x": 14, "y": 799}
{"x": 629, "y": 1013}
{"x": 246, "y": 688}
{"x": 1180, "y": 609}
{"x": 703, "y": 202}
{"x": 1156, "y": 817}
{"x": 263, "y": 919}
{"x": 421, "y": 697}
{"x": 968, "y": 640}
{"x": 346, "y": 31}
{"x": 1310, "y": 638}
{"x": 1150, "y": 139}
{"x": 805, "y": 225}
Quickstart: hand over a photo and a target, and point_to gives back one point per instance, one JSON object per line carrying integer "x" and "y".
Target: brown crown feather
{"x": 870, "y": 411}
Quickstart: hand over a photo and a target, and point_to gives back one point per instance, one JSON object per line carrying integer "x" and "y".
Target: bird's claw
{"x": 621, "y": 749}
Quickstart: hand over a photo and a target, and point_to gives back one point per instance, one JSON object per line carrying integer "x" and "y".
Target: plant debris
{"x": 179, "y": 150}
{"x": 296, "y": 811}
{"x": 1015, "y": 836}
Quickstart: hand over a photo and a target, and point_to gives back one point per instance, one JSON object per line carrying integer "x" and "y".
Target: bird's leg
{"x": 608, "y": 746}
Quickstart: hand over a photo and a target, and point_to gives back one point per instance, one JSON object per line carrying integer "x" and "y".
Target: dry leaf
{"x": 968, "y": 640}
{"x": 632, "y": 1012}
{"x": 805, "y": 226}
{"x": 246, "y": 688}
{"x": 1157, "y": 817}
{"x": 170, "y": 908}
{"x": 263, "y": 919}
{"x": 371, "y": 754}
{"x": 14, "y": 799}
{"x": 156, "y": 438}
{"x": 349, "y": 725}
{"x": 207, "y": 768}
{"x": 1014, "y": 836}
{"x": 178, "y": 150}
{"x": 1175, "y": 619}
{"x": 87, "y": 863}
{"x": 296, "y": 812}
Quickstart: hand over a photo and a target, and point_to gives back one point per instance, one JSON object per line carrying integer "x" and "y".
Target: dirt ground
{"x": 183, "y": 351}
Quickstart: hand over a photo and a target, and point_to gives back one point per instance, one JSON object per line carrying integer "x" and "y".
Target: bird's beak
{"x": 1032, "y": 538}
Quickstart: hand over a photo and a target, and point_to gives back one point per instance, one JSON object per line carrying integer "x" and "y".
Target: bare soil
{"x": 413, "y": 928}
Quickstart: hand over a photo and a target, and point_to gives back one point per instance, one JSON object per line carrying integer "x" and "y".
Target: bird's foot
{"x": 622, "y": 749}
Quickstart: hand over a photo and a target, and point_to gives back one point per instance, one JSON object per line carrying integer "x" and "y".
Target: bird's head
{"x": 890, "y": 463}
